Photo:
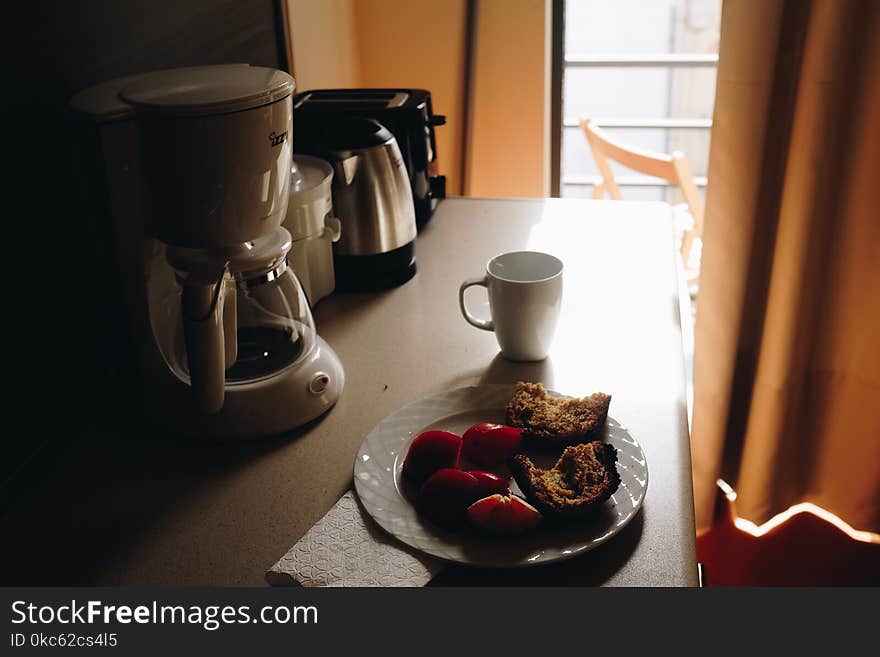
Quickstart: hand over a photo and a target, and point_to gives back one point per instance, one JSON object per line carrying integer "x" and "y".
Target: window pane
{"x": 623, "y": 26}
{"x": 674, "y": 195}
{"x": 637, "y": 27}
{"x": 695, "y": 145}
{"x": 577, "y": 159}
{"x": 638, "y": 93}
{"x": 615, "y": 92}
{"x": 692, "y": 93}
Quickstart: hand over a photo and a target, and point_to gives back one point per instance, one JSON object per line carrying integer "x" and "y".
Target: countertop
{"x": 126, "y": 506}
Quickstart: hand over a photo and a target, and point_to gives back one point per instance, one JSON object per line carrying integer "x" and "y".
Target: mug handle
{"x": 486, "y": 325}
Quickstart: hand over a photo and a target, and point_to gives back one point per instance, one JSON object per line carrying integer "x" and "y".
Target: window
{"x": 644, "y": 70}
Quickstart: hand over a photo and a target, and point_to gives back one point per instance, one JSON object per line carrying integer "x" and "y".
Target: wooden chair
{"x": 672, "y": 168}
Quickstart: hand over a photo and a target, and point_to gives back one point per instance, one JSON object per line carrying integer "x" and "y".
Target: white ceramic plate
{"x": 377, "y": 481}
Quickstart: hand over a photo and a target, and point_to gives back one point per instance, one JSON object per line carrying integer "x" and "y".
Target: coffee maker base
{"x": 270, "y": 407}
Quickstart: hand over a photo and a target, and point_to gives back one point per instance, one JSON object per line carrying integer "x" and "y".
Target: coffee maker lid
{"x": 102, "y": 101}
{"x": 207, "y": 90}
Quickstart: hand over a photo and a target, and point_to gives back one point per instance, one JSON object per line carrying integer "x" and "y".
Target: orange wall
{"x": 421, "y": 43}
{"x": 510, "y": 108}
{"x": 324, "y": 43}
{"x": 388, "y": 43}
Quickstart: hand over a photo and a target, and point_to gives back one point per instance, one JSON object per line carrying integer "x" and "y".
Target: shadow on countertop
{"x": 501, "y": 370}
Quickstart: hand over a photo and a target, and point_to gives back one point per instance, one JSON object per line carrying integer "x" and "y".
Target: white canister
{"x": 312, "y": 226}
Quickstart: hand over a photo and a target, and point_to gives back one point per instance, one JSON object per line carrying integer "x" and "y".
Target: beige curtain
{"x": 787, "y": 360}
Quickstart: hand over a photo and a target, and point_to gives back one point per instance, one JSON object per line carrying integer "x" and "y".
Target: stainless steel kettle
{"x": 372, "y": 197}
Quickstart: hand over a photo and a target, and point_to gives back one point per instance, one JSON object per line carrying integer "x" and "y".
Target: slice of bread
{"x": 556, "y": 421}
{"x": 580, "y": 481}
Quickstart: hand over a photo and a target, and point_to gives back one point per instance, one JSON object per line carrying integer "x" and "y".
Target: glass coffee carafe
{"x": 228, "y": 316}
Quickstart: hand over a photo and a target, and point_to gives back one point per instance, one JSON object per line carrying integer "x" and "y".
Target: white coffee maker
{"x": 197, "y": 163}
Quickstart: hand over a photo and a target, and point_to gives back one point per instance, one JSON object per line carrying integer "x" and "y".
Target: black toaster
{"x": 407, "y": 113}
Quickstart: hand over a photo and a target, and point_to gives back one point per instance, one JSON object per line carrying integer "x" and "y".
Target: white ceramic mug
{"x": 525, "y": 295}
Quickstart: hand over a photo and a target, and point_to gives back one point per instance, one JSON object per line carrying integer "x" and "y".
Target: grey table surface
{"x": 133, "y": 509}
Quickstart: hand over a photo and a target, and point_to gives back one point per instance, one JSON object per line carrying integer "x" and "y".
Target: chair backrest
{"x": 672, "y": 168}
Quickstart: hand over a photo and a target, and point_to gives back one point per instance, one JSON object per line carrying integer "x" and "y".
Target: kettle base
{"x": 380, "y": 271}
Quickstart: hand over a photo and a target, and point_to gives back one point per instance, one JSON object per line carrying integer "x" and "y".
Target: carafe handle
{"x": 203, "y": 328}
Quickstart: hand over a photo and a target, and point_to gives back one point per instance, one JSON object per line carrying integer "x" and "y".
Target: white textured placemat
{"x": 346, "y": 549}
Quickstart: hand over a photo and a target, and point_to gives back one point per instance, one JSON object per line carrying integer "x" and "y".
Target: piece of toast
{"x": 556, "y": 421}
{"x": 580, "y": 481}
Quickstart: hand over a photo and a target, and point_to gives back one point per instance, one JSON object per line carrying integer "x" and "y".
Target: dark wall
{"x": 66, "y": 339}
{"x": 83, "y": 42}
